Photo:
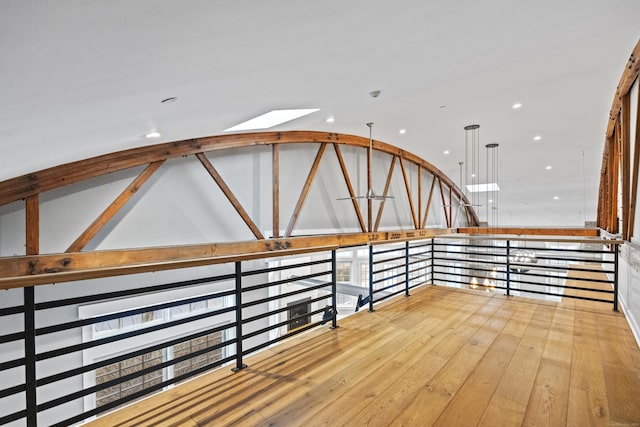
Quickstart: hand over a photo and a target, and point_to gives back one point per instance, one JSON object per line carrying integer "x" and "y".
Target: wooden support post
{"x": 275, "y": 176}
{"x": 32, "y": 208}
{"x": 625, "y": 142}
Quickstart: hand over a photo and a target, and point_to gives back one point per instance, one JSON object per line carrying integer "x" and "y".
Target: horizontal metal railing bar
{"x": 386, "y": 251}
{"x": 130, "y": 292}
{"x": 95, "y": 343}
{"x": 283, "y": 309}
{"x": 13, "y": 417}
{"x": 464, "y": 245}
{"x": 465, "y": 254}
{"x": 384, "y": 270}
{"x": 375, "y": 291}
{"x": 574, "y": 259}
{"x": 475, "y": 268}
{"x": 419, "y": 284}
{"x": 579, "y": 288}
{"x": 290, "y": 334}
{"x": 384, "y": 279}
{"x": 475, "y": 261}
{"x": 528, "y": 273}
{"x": 424, "y": 261}
{"x": 285, "y": 267}
{"x": 90, "y": 390}
{"x": 536, "y": 248}
{"x": 421, "y": 245}
{"x": 280, "y": 324}
{"x": 93, "y": 366}
{"x": 564, "y": 296}
{"x": 277, "y": 297}
{"x": 527, "y": 265}
{"x": 93, "y": 320}
{"x": 527, "y": 239}
{"x": 284, "y": 281}
{"x": 12, "y": 390}
{"x": 8, "y": 311}
{"x": 142, "y": 392}
{"x": 380, "y": 261}
{"x": 416, "y": 269}
{"x": 603, "y": 291}
{"x": 11, "y": 337}
{"x": 392, "y": 294}
{"x": 10, "y": 364}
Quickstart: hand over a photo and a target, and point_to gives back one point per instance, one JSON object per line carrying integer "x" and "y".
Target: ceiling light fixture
{"x": 481, "y": 188}
{"x": 516, "y": 105}
{"x": 548, "y": 168}
{"x": 556, "y": 197}
{"x": 537, "y": 138}
{"x": 271, "y": 119}
{"x": 331, "y": 119}
{"x": 154, "y": 134}
{"x": 402, "y": 131}
{"x": 446, "y": 151}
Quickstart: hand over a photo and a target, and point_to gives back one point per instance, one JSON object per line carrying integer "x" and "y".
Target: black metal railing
{"x": 59, "y": 355}
{"x": 529, "y": 267}
{"x": 51, "y": 381}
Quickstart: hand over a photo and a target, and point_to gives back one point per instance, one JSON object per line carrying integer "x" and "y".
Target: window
{"x": 193, "y": 345}
{"x": 126, "y": 367}
{"x": 343, "y": 272}
{"x": 147, "y": 360}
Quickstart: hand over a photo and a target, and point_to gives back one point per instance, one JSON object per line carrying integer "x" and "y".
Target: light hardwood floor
{"x": 442, "y": 357}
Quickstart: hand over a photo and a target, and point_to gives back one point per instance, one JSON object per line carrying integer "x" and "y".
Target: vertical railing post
{"x": 406, "y": 269}
{"x": 334, "y": 290}
{"x": 508, "y": 269}
{"x": 30, "y": 355}
{"x": 615, "y": 276}
{"x": 238, "y": 279}
{"x": 433, "y": 245}
{"x": 370, "y": 278}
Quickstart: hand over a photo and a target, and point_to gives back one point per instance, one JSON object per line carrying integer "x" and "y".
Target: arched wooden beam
{"x": 32, "y": 184}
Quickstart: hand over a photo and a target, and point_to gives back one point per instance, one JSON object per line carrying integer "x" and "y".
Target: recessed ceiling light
{"x": 271, "y": 119}
{"x": 402, "y": 131}
{"x": 480, "y": 188}
{"x": 548, "y": 168}
{"x": 516, "y": 105}
{"x": 556, "y": 197}
{"x": 330, "y": 119}
{"x": 154, "y": 134}
{"x": 490, "y": 200}
{"x": 446, "y": 151}
{"x": 537, "y": 138}
{"x": 473, "y": 175}
{"x": 169, "y": 100}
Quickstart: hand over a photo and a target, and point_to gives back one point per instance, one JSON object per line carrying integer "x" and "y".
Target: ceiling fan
{"x": 371, "y": 195}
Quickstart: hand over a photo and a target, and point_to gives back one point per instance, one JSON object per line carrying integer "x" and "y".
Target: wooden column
{"x": 32, "y": 240}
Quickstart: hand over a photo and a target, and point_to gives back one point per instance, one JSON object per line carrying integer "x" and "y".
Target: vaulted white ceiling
{"x": 86, "y": 77}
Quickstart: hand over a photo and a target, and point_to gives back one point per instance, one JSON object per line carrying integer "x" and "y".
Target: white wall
{"x": 629, "y": 286}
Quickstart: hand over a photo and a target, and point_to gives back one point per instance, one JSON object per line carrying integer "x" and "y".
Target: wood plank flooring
{"x": 442, "y": 357}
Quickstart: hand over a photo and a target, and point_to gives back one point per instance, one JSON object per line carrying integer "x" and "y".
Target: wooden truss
{"x": 617, "y": 164}
{"x": 77, "y": 263}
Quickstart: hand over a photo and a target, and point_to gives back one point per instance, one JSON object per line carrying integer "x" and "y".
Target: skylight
{"x": 271, "y": 119}
{"x": 480, "y": 188}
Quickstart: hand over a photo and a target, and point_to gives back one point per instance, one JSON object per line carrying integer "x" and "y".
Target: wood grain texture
{"x": 443, "y": 356}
